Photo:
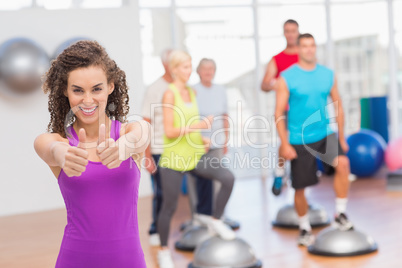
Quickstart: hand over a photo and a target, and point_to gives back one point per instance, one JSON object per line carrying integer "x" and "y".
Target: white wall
{"x": 26, "y": 183}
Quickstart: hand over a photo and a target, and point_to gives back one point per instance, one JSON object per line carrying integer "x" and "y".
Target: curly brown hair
{"x": 81, "y": 55}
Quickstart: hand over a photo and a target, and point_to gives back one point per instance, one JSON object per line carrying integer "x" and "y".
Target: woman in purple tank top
{"x": 95, "y": 158}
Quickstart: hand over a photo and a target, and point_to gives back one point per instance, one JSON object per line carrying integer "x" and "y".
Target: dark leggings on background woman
{"x": 209, "y": 167}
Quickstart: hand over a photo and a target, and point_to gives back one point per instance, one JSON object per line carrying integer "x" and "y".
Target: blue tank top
{"x": 308, "y": 120}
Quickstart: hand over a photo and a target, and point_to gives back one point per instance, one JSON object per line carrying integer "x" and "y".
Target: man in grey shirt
{"x": 211, "y": 100}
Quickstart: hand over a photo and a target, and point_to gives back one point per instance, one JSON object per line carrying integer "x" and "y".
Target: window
{"x": 15, "y": 4}
{"x": 360, "y": 44}
{"x": 212, "y": 2}
{"x": 156, "y": 36}
{"x": 154, "y": 3}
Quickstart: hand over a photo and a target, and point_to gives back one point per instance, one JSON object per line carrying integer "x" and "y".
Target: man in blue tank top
{"x": 306, "y": 87}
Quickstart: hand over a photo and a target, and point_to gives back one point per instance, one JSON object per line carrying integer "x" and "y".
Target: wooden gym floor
{"x": 33, "y": 240}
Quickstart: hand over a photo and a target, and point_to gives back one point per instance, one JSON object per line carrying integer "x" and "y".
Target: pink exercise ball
{"x": 393, "y": 154}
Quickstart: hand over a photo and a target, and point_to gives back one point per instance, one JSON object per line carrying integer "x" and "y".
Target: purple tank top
{"x": 102, "y": 224}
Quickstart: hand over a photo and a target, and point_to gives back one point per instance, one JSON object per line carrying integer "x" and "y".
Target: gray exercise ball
{"x": 192, "y": 236}
{"x": 334, "y": 242}
{"x": 233, "y": 224}
{"x": 22, "y": 65}
{"x": 66, "y": 44}
{"x": 288, "y": 218}
{"x": 219, "y": 253}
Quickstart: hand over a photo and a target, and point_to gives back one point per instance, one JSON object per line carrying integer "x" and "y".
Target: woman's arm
{"x": 149, "y": 161}
{"x": 56, "y": 152}
{"x": 49, "y": 146}
{"x": 168, "y": 117}
{"x": 135, "y": 139}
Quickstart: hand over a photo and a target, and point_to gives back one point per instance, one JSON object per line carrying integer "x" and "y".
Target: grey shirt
{"x": 212, "y": 101}
{"x": 152, "y": 109}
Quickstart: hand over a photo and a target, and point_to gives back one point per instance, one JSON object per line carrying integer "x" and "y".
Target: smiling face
{"x": 88, "y": 92}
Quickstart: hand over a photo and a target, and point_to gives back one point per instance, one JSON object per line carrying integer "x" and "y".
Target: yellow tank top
{"x": 184, "y": 152}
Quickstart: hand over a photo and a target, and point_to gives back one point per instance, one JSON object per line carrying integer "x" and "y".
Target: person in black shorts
{"x": 306, "y": 87}
{"x": 279, "y": 63}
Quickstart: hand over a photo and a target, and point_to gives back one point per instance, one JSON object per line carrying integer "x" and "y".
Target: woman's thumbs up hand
{"x": 75, "y": 159}
{"x": 108, "y": 150}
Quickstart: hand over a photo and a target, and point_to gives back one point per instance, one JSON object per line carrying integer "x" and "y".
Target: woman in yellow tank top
{"x": 184, "y": 151}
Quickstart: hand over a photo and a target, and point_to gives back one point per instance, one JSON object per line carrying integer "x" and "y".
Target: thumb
{"x": 102, "y": 133}
{"x": 82, "y": 136}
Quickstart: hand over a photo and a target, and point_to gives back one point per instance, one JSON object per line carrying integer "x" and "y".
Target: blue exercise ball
{"x": 320, "y": 166}
{"x": 366, "y": 152}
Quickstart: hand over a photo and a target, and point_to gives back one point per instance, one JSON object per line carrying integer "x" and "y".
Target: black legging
{"x": 209, "y": 168}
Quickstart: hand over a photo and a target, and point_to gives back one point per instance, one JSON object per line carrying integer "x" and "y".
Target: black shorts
{"x": 304, "y": 167}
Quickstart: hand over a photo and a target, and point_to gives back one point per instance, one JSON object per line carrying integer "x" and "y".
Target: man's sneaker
{"x": 305, "y": 238}
{"x": 165, "y": 259}
{"x": 343, "y": 223}
{"x": 277, "y": 186}
{"x": 216, "y": 226}
{"x": 154, "y": 240}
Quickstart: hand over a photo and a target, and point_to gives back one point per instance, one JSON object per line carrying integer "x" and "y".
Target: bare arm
{"x": 226, "y": 127}
{"x": 148, "y": 150}
{"x": 168, "y": 117}
{"x": 135, "y": 139}
{"x": 150, "y": 164}
{"x": 269, "y": 82}
{"x": 282, "y": 99}
{"x": 57, "y": 153}
{"x": 340, "y": 118}
{"x": 47, "y": 145}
